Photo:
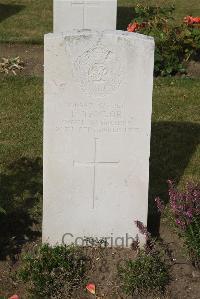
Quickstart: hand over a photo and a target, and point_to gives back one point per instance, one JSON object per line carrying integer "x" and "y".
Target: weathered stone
{"x": 97, "y": 122}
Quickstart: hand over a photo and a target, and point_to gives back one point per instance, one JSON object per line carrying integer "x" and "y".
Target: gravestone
{"x": 97, "y": 122}
{"x": 86, "y": 14}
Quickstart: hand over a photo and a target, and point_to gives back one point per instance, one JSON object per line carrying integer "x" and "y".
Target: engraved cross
{"x": 84, "y": 5}
{"x": 94, "y": 164}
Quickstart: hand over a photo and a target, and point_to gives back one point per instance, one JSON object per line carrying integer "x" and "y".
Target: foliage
{"x": 175, "y": 44}
{"x": 191, "y": 20}
{"x": 147, "y": 273}
{"x": 53, "y": 271}
{"x": 184, "y": 205}
{"x": 192, "y": 240}
{"x": 184, "y": 209}
{"x": 25, "y": 20}
{"x": 2, "y": 211}
{"x": 11, "y": 65}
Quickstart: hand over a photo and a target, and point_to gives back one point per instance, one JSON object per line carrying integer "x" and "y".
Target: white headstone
{"x": 86, "y": 14}
{"x": 97, "y": 122}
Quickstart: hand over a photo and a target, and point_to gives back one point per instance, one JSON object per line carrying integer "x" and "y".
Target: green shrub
{"x": 52, "y": 272}
{"x": 147, "y": 273}
{"x": 2, "y": 211}
{"x": 175, "y": 44}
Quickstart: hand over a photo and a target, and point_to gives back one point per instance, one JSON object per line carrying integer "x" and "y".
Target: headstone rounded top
{"x": 88, "y": 32}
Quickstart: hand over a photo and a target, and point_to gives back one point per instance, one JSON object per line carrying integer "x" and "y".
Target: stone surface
{"x": 97, "y": 122}
{"x": 88, "y": 14}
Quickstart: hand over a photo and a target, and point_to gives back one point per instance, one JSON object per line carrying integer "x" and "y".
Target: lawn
{"x": 175, "y": 150}
{"x": 175, "y": 102}
{"x": 175, "y": 140}
{"x": 21, "y": 119}
{"x": 25, "y": 20}
{"x": 28, "y": 20}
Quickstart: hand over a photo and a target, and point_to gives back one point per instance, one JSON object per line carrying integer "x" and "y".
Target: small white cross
{"x": 84, "y": 5}
{"x": 94, "y": 164}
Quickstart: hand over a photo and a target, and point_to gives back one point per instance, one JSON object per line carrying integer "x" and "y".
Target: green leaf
{"x": 2, "y": 211}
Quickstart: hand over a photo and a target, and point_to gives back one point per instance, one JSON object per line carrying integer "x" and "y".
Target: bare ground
{"x": 33, "y": 57}
{"x": 185, "y": 281}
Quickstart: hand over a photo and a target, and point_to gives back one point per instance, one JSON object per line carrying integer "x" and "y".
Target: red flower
{"x": 14, "y": 297}
{"x": 191, "y": 20}
{"x": 91, "y": 288}
{"x": 132, "y": 27}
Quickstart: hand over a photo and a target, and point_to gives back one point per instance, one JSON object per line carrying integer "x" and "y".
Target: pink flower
{"x": 160, "y": 204}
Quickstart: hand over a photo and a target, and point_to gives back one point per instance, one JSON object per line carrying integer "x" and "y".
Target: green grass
{"x": 183, "y": 7}
{"x": 175, "y": 120}
{"x": 175, "y": 126}
{"x": 25, "y": 20}
{"x": 21, "y": 104}
{"x": 28, "y": 20}
{"x": 175, "y": 149}
{"x": 175, "y": 143}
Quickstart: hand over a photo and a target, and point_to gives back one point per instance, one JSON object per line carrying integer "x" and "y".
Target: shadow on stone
{"x": 124, "y": 17}
{"x": 172, "y": 146}
{"x": 7, "y": 10}
{"x": 21, "y": 197}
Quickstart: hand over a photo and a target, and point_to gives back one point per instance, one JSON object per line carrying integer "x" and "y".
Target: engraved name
{"x": 97, "y": 118}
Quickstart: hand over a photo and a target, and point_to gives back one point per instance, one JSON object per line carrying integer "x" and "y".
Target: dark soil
{"x": 102, "y": 272}
{"x": 33, "y": 57}
{"x": 185, "y": 278}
